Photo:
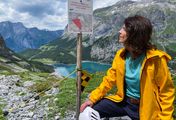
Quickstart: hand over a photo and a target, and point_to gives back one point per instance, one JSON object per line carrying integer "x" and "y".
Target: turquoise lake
{"x": 91, "y": 67}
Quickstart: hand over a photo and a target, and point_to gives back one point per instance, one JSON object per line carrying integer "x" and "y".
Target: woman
{"x": 145, "y": 88}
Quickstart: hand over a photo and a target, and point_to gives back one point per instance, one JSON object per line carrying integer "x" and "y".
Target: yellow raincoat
{"x": 156, "y": 85}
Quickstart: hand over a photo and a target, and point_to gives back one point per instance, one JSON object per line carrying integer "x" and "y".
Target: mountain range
{"x": 102, "y": 44}
{"x": 18, "y": 38}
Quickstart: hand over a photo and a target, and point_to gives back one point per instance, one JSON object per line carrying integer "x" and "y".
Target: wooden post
{"x": 79, "y": 67}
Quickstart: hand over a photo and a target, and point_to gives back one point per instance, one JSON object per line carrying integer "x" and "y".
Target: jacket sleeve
{"x": 106, "y": 85}
{"x": 166, "y": 90}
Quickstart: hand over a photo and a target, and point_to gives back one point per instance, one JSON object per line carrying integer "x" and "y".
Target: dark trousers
{"x": 108, "y": 108}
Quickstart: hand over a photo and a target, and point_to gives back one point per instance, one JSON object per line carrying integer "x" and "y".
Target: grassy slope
{"x": 59, "y": 51}
{"x": 67, "y": 95}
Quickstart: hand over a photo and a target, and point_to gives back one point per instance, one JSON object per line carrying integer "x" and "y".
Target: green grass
{"x": 1, "y": 115}
{"x": 43, "y": 81}
{"x": 36, "y": 76}
{"x": 1, "y": 112}
{"x": 45, "y": 61}
{"x": 29, "y": 53}
{"x": 94, "y": 82}
{"x": 5, "y": 70}
{"x": 67, "y": 95}
{"x": 66, "y": 99}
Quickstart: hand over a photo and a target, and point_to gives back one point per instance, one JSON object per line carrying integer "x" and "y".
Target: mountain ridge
{"x": 19, "y": 38}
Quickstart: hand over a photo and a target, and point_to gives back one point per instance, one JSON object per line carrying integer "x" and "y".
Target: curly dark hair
{"x": 139, "y": 32}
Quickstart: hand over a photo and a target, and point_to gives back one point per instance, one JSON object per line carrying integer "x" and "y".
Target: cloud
{"x": 36, "y": 10}
{"x": 101, "y": 3}
{"x": 43, "y": 14}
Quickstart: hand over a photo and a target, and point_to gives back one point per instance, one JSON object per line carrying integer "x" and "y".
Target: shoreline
{"x": 85, "y": 61}
{"x": 90, "y": 66}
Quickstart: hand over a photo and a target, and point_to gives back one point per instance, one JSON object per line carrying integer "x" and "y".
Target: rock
{"x": 37, "y": 97}
{"x": 28, "y": 83}
{"x": 57, "y": 117}
{"x": 120, "y": 118}
{"x": 55, "y": 99}
{"x": 70, "y": 115}
{"x": 4, "y": 92}
{"x": 2, "y": 77}
{"x": 19, "y": 101}
{"x": 27, "y": 97}
{"x": 30, "y": 114}
{"x": 27, "y": 119}
{"x": 56, "y": 74}
{"x": 52, "y": 91}
{"x": 5, "y": 113}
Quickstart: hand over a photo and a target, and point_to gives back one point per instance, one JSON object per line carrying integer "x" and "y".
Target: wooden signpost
{"x": 79, "y": 67}
{"x": 80, "y": 17}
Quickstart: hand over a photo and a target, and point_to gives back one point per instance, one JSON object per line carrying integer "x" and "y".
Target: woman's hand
{"x": 85, "y": 104}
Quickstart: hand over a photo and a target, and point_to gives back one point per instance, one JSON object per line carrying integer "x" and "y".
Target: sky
{"x": 43, "y": 14}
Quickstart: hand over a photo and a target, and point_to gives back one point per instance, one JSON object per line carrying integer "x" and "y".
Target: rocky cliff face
{"x": 109, "y": 20}
{"x": 10, "y": 61}
{"x": 6, "y": 53}
{"x": 2, "y": 43}
{"x": 19, "y": 38}
{"x": 102, "y": 45}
